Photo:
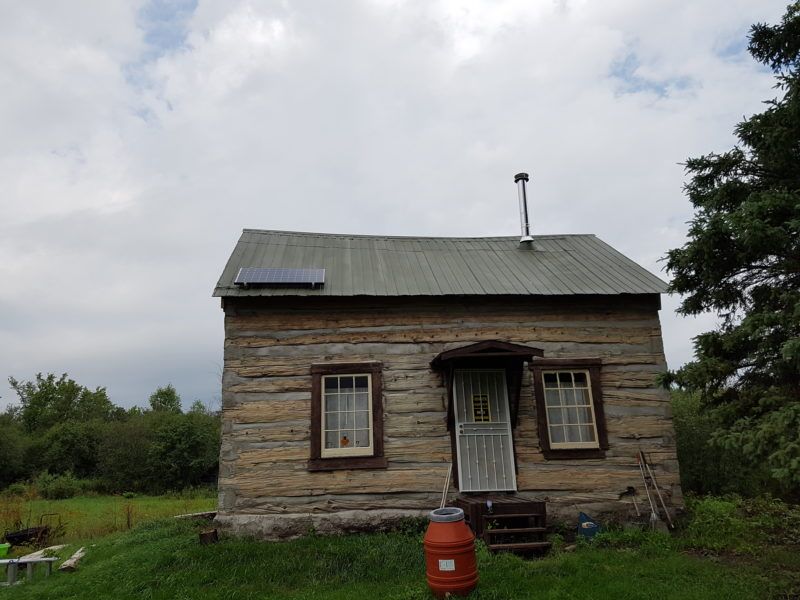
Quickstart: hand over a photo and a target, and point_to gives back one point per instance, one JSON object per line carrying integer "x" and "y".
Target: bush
{"x": 705, "y": 467}
{"x": 735, "y": 524}
{"x": 57, "y": 487}
{"x": 16, "y": 489}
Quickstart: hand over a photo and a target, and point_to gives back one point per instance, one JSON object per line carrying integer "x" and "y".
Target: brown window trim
{"x": 377, "y": 460}
{"x": 589, "y": 364}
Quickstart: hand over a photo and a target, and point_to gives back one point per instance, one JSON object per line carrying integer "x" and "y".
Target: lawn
{"x": 163, "y": 560}
{"x": 727, "y": 549}
{"x": 89, "y": 517}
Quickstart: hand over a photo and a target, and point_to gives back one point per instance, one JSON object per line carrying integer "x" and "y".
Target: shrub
{"x": 16, "y": 489}
{"x": 57, "y": 487}
{"x": 705, "y": 467}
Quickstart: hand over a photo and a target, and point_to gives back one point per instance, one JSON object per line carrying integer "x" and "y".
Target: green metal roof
{"x": 365, "y": 265}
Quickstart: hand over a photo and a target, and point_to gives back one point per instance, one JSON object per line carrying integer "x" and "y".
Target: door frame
{"x": 511, "y": 452}
{"x": 487, "y": 354}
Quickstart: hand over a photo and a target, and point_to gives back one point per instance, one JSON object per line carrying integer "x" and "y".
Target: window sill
{"x": 341, "y": 464}
{"x": 578, "y": 453}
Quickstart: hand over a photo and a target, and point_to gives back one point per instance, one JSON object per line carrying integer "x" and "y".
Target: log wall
{"x": 270, "y": 344}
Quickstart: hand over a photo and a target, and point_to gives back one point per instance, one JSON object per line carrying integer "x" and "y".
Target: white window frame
{"x": 354, "y": 450}
{"x": 570, "y": 445}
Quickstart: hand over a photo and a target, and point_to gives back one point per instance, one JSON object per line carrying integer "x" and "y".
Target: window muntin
{"x": 569, "y": 409}
{"x": 347, "y": 415}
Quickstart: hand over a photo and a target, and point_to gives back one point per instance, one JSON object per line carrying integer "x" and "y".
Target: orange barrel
{"x": 450, "y": 553}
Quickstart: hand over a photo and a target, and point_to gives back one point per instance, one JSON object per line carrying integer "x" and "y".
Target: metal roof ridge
{"x": 411, "y": 237}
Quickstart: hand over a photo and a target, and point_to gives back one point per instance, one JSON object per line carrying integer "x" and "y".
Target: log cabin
{"x": 359, "y": 369}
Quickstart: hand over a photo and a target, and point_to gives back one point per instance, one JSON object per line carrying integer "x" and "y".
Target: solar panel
{"x": 280, "y": 277}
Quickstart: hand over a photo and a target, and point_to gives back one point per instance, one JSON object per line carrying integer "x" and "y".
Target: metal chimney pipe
{"x": 521, "y": 179}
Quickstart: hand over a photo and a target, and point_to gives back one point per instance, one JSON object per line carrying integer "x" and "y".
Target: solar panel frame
{"x": 279, "y": 277}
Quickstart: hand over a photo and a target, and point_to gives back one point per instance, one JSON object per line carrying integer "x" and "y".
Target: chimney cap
{"x": 518, "y": 176}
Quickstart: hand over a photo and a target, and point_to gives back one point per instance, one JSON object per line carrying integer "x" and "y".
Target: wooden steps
{"x": 521, "y": 547}
{"x": 510, "y": 524}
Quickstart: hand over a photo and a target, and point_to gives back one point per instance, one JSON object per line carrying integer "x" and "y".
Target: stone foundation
{"x": 291, "y": 526}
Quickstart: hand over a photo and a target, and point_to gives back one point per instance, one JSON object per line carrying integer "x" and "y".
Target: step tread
{"x": 513, "y": 516}
{"x": 515, "y": 530}
{"x": 520, "y": 546}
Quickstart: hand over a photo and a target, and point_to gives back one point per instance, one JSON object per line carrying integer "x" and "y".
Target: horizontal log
{"x": 272, "y": 384}
{"x": 636, "y": 427}
{"x": 513, "y": 332}
{"x": 282, "y": 366}
{"x": 431, "y": 424}
{"x": 290, "y": 431}
{"x": 341, "y": 351}
{"x": 628, "y": 379}
{"x": 336, "y": 502}
{"x": 270, "y": 411}
{"x": 413, "y": 402}
{"x": 411, "y": 450}
{"x": 266, "y": 482}
{"x": 318, "y": 320}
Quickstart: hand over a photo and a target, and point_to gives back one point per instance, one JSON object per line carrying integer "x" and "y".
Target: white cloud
{"x": 127, "y": 171}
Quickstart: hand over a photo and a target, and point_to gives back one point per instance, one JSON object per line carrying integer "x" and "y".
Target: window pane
{"x": 346, "y": 384}
{"x": 331, "y": 420}
{"x": 331, "y": 402}
{"x": 552, "y": 398}
{"x": 362, "y": 419}
{"x": 362, "y": 401}
{"x": 361, "y": 383}
{"x": 584, "y": 415}
{"x": 331, "y": 384}
{"x": 565, "y": 379}
{"x": 572, "y": 433}
{"x": 346, "y": 439}
{"x": 362, "y": 437}
{"x": 587, "y": 431}
{"x": 346, "y": 402}
{"x": 556, "y": 435}
{"x": 550, "y": 380}
{"x": 331, "y": 439}
{"x": 571, "y": 416}
{"x": 580, "y": 379}
{"x": 346, "y": 420}
{"x": 569, "y": 397}
{"x": 582, "y": 397}
{"x": 555, "y": 415}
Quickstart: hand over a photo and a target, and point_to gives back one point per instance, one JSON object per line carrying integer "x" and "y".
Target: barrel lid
{"x": 448, "y": 514}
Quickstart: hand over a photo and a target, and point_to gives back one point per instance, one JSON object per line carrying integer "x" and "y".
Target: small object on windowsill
{"x": 344, "y": 442}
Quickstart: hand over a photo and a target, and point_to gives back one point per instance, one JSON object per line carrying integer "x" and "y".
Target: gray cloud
{"x": 139, "y": 140}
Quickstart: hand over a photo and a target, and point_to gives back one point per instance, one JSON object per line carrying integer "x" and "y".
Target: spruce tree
{"x": 742, "y": 262}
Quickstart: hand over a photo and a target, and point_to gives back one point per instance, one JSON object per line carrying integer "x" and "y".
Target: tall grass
{"x": 89, "y": 517}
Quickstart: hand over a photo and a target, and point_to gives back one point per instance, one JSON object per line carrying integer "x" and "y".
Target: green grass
{"x": 163, "y": 560}
{"x": 89, "y": 517}
{"x": 728, "y": 549}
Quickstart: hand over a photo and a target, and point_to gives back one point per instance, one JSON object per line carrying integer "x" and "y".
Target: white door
{"x": 483, "y": 431}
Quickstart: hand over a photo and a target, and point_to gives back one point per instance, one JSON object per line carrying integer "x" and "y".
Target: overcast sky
{"x": 138, "y": 139}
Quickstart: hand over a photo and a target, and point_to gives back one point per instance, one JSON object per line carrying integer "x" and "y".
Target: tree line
{"x": 62, "y": 434}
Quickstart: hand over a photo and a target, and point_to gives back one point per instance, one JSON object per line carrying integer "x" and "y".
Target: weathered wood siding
{"x": 270, "y": 346}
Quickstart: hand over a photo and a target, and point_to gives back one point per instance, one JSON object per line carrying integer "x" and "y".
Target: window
{"x": 569, "y": 408}
{"x": 346, "y": 417}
